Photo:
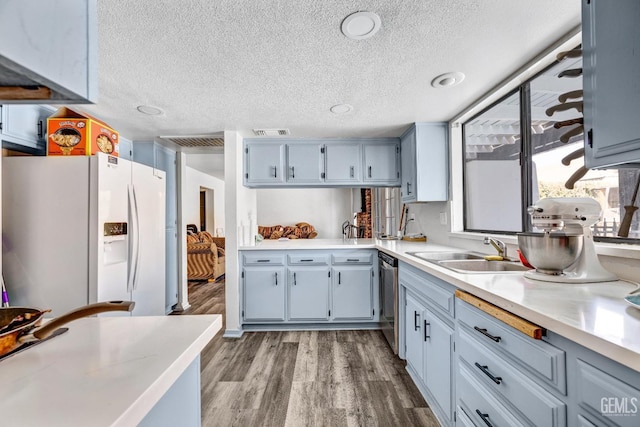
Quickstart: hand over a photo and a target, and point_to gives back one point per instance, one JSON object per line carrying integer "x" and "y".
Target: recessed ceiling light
{"x": 149, "y": 110}
{"x": 341, "y": 109}
{"x": 447, "y": 80}
{"x": 360, "y": 25}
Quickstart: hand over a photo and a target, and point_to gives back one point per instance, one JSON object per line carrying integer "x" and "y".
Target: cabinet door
{"x": 611, "y": 71}
{"x": 264, "y": 163}
{"x": 264, "y": 293}
{"x": 308, "y": 293}
{"x": 55, "y": 43}
{"x": 25, "y": 126}
{"x": 343, "y": 163}
{"x": 352, "y": 292}
{"x": 438, "y": 357}
{"x": 305, "y": 163}
{"x": 382, "y": 163}
{"x": 413, "y": 326}
{"x": 408, "y": 166}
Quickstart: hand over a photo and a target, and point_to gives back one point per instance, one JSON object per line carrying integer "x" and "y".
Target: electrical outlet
{"x": 443, "y": 218}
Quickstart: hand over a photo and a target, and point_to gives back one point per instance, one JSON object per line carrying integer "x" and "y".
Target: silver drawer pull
{"x": 306, "y": 260}
{"x": 263, "y": 260}
{"x": 485, "y": 418}
{"x": 487, "y": 334}
{"x": 483, "y": 368}
{"x": 416, "y": 326}
{"x": 353, "y": 259}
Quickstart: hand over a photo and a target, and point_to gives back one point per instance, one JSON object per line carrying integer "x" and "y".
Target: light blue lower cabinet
{"x": 308, "y": 293}
{"x": 314, "y": 287}
{"x": 264, "y": 293}
{"x": 428, "y": 339}
{"x": 352, "y": 293}
{"x": 479, "y": 403}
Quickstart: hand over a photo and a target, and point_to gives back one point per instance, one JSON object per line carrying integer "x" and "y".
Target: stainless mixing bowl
{"x": 550, "y": 253}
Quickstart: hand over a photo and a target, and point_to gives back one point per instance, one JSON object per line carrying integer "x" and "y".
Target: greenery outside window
{"x": 518, "y": 151}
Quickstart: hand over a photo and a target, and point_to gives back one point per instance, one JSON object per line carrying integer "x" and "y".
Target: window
{"x": 518, "y": 151}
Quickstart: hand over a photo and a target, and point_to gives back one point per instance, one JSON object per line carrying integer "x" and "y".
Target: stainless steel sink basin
{"x": 448, "y": 256}
{"x": 469, "y": 262}
{"x": 482, "y": 265}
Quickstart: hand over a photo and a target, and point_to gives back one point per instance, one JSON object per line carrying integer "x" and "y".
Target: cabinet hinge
{"x": 322, "y": 150}
{"x": 397, "y": 149}
{"x": 242, "y": 274}
{"x": 589, "y": 137}
{"x": 246, "y": 175}
{"x": 246, "y": 150}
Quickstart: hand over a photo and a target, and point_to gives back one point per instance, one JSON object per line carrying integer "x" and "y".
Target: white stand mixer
{"x": 574, "y": 215}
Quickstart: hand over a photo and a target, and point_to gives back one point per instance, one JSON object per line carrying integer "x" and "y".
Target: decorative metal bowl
{"x": 550, "y": 253}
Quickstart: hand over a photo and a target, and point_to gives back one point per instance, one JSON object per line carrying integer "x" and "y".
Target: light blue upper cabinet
{"x": 272, "y": 163}
{"x": 264, "y": 163}
{"x": 382, "y": 162}
{"x": 611, "y": 72}
{"x": 425, "y": 163}
{"x": 344, "y": 165}
{"x": 51, "y": 44}
{"x": 125, "y": 149}
{"x": 305, "y": 163}
{"x": 24, "y": 128}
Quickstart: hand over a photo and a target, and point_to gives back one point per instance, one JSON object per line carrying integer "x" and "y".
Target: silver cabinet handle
{"x": 293, "y": 172}
{"x": 369, "y": 171}
{"x": 40, "y": 129}
{"x": 275, "y": 171}
{"x": 408, "y": 188}
{"x": 485, "y": 370}
{"x": 426, "y": 336}
{"x": 339, "y": 278}
{"x": 276, "y": 279}
{"x": 485, "y": 418}
{"x": 294, "y": 279}
{"x": 351, "y": 172}
{"x": 416, "y": 326}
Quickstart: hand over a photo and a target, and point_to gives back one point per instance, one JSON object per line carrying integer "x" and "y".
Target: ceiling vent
{"x": 196, "y": 141}
{"x": 271, "y": 132}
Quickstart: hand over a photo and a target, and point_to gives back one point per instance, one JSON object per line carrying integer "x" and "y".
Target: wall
{"x": 195, "y": 180}
{"x": 324, "y": 208}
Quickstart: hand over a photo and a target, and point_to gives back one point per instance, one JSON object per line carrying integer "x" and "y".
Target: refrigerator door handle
{"x": 136, "y": 228}
{"x": 134, "y": 243}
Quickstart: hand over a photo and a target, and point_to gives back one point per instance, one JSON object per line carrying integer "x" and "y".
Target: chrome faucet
{"x": 500, "y": 246}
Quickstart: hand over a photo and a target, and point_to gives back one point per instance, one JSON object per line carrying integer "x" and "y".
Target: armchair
{"x": 205, "y": 257}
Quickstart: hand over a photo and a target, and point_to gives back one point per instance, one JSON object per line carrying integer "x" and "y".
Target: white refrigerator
{"x": 78, "y": 230}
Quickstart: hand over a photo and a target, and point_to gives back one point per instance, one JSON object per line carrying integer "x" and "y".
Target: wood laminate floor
{"x": 303, "y": 378}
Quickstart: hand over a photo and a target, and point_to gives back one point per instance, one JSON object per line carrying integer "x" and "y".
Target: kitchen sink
{"x": 469, "y": 262}
{"x": 446, "y": 256}
{"x": 480, "y": 265}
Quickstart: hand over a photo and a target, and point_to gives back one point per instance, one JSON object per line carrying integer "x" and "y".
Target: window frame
{"x": 526, "y": 159}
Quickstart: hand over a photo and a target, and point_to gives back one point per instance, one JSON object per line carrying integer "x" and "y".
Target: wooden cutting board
{"x": 530, "y": 329}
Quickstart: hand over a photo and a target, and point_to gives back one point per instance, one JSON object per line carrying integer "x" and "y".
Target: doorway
{"x": 207, "y": 217}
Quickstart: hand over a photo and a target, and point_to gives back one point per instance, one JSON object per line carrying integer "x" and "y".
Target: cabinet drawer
{"x": 535, "y": 403}
{"x": 296, "y": 259}
{"x": 480, "y": 404}
{"x": 616, "y": 400}
{"x": 432, "y": 289}
{"x": 260, "y": 258}
{"x": 353, "y": 258}
{"x": 541, "y": 358}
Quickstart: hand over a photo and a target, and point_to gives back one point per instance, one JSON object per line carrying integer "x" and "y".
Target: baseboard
{"x": 311, "y": 326}
{"x": 233, "y": 333}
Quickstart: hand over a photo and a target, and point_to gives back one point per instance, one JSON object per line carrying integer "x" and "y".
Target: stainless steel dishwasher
{"x": 389, "y": 298}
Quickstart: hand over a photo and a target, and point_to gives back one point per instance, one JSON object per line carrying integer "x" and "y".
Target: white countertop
{"x": 594, "y": 315}
{"x": 104, "y": 371}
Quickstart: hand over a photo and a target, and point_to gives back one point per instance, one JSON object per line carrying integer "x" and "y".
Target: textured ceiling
{"x": 243, "y": 64}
